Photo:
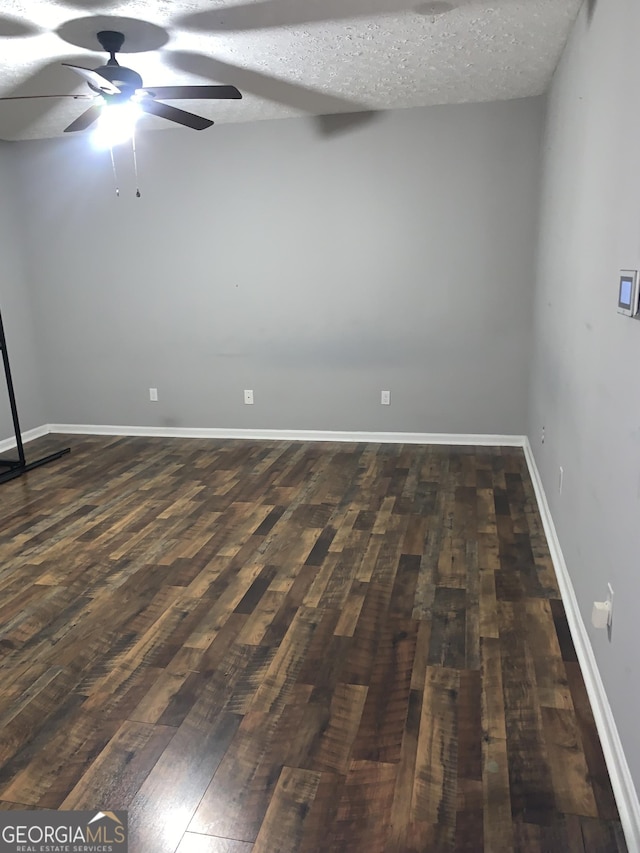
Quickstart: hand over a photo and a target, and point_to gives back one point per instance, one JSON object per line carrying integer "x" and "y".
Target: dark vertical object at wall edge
{"x": 19, "y": 466}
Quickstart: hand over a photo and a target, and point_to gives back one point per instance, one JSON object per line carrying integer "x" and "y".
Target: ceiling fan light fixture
{"x": 116, "y": 124}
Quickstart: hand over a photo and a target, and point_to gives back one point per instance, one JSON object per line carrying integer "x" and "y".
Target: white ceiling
{"x": 288, "y": 57}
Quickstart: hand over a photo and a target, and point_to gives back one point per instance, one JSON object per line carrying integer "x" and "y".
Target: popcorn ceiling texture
{"x": 287, "y": 57}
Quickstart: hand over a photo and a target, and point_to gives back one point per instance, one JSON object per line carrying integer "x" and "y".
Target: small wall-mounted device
{"x": 628, "y": 293}
{"x": 602, "y": 613}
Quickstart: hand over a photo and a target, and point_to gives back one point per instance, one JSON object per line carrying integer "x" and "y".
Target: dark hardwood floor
{"x": 284, "y": 646}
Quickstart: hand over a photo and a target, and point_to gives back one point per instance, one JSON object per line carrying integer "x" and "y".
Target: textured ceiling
{"x": 288, "y": 57}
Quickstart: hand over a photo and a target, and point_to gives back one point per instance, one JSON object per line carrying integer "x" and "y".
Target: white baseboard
{"x": 621, "y": 780}
{"x": 293, "y": 435}
{"x": 29, "y": 435}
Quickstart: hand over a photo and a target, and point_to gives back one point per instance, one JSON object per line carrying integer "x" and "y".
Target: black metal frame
{"x": 18, "y": 466}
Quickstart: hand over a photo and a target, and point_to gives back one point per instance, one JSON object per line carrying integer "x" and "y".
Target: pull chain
{"x": 113, "y": 166}
{"x": 135, "y": 163}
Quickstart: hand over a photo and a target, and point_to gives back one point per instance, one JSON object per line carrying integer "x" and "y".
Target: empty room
{"x": 319, "y": 426}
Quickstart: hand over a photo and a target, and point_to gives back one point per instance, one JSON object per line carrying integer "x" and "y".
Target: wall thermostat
{"x": 628, "y": 293}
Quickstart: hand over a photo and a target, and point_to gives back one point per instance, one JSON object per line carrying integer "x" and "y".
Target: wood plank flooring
{"x": 257, "y": 647}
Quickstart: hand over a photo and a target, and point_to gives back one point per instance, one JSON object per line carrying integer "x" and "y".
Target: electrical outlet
{"x": 153, "y": 395}
{"x": 385, "y": 398}
{"x": 560, "y": 480}
{"x": 248, "y": 397}
{"x": 610, "y": 603}
{"x": 542, "y": 436}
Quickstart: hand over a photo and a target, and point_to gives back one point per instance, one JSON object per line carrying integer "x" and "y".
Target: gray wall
{"x": 315, "y": 270}
{"x": 586, "y": 367}
{"x": 16, "y": 311}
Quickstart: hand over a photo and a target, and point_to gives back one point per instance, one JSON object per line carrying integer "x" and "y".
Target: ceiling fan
{"x": 115, "y": 85}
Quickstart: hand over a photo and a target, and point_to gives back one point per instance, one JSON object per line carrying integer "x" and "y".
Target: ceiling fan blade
{"x": 173, "y": 114}
{"x": 31, "y": 97}
{"x": 86, "y": 119}
{"x": 94, "y": 79}
{"x": 47, "y": 77}
{"x": 184, "y": 93}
